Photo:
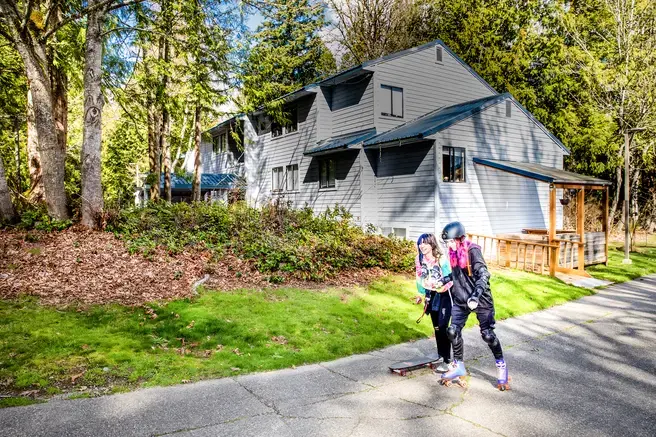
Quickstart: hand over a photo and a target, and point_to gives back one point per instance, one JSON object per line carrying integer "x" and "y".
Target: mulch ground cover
{"x": 83, "y": 267}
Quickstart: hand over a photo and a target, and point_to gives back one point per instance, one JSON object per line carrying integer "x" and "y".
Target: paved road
{"x": 586, "y": 368}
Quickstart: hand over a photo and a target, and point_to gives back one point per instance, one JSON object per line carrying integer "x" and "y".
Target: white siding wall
{"x": 405, "y": 188}
{"x": 427, "y": 85}
{"x": 352, "y": 106}
{"x": 492, "y": 201}
{"x": 265, "y": 153}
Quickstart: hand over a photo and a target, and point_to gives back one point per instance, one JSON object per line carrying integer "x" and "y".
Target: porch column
{"x": 605, "y": 227}
{"x": 580, "y": 226}
{"x": 553, "y": 251}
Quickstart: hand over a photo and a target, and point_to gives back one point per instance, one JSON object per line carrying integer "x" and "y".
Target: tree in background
{"x": 287, "y": 53}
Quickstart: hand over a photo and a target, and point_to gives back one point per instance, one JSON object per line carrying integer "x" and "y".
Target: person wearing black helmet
{"x": 471, "y": 293}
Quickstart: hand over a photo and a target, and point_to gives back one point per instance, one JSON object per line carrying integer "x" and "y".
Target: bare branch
{"x": 28, "y": 14}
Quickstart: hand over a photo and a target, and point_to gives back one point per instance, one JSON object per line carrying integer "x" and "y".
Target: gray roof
{"x": 541, "y": 173}
{"x": 340, "y": 143}
{"x": 208, "y": 181}
{"x": 443, "y": 118}
{"x": 365, "y": 68}
{"x": 435, "y": 121}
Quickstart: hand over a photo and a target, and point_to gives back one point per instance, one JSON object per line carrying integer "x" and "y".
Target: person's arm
{"x": 480, "y": 274}
{"x": 419, "y": 280}
{"x": 447, "y": 278}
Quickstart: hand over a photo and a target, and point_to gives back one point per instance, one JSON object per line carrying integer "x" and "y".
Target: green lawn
{"x": 643, "y": 263}
{"x": 225, "y": 333}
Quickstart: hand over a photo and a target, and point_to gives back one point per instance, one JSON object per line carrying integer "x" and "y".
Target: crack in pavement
{"x": 345, "y": 376}
{"x": 224, "y": 422}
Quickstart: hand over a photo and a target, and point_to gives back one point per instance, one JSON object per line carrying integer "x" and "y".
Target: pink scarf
{"x": 459, "y": 256}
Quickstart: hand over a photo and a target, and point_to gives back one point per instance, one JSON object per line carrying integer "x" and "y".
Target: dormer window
{"x": 290, "y": 126}
{"x": 391, "y": 101}
{"x": 220, "y": 143}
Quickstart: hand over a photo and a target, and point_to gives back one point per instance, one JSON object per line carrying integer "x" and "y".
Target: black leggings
{"x": 485, "y": 315}
{"x": 440, "y": 313}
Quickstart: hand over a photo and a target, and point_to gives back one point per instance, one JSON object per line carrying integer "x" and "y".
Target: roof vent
{"x": 508, "y": 108}
{"x": 438, "y": 53}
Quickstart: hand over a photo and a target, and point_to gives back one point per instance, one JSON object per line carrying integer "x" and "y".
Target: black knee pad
{"x": 452, "y": 332}
{"x": 489, "y": 337}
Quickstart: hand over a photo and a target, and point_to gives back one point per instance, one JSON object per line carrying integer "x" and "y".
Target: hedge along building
{"x": 406, "y": 143}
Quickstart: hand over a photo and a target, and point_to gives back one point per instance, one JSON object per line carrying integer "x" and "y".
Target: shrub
{"x": 278, "y": 239}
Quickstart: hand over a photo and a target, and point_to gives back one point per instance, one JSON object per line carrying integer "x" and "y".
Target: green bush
{"x": 38, "y": 218}
{"x": 278, "y": 239}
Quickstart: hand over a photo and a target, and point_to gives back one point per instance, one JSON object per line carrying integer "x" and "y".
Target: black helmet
{"x": 452, "y": 231}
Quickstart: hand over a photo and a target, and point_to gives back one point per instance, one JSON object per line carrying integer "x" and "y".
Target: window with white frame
{"x": 277, "y": 179}
{"x": 327, "y": 173}
{"x": 292, "y": 125}
{"x": 276, "y": 129}
{"x": 292, "y": 177}
{"x": 391, "y": 101}
{"x": 220, "y": 143}
{"x": 453, "y": 164}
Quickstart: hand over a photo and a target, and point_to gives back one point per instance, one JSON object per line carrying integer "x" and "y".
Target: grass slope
{"x": 225, "y": 333}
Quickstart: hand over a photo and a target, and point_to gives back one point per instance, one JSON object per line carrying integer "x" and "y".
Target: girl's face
{"x": 426, "y": 249}
{"x": 452, "y": 244}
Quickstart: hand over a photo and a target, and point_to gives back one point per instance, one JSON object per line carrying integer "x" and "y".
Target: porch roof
{"x": 341, "y": 142}
{"x": 208, "y": 181}
{"x": 543, "y": 173}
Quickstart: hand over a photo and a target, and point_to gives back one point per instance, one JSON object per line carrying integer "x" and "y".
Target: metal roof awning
{"x": 340, "y": 143}
{"x": 208, "y": 181}
{"x": 435, "y": 121}
{"x": 543, "y": 173}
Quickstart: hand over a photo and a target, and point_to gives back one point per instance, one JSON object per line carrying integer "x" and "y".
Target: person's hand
{"x": 418, "y": 299}
{"x": 472, "y": 303}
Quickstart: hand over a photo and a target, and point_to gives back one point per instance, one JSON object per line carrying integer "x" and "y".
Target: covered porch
{"x": 552, "y": 250}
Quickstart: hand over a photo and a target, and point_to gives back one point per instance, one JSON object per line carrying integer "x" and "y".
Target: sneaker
{"x": 456, "y": 370}
{"x": 441, "y": 368}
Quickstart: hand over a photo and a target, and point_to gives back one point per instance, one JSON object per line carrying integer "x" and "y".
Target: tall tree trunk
{"x": 92, "y": 194}
{"x": 33, "y": 159}
{"x": 166, "y": 153}
{"x": 195, "y": 186}
{"x": 52, "y": 157}
{"x": 616, "y": 198}
{"x": 6, "y": 208}
{"x": 17, "y": 158}
{"x": 59, "y": 83}
{"x": 154, "y": 152}
{"x": 166, "y": 131}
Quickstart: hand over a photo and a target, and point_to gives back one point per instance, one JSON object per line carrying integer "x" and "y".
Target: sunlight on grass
{"x": 643, "y": 263}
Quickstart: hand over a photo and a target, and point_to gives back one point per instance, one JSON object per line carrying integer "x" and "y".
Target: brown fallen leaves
{"x": 83, "y": 267}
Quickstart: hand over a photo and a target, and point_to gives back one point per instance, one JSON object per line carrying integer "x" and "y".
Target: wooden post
{"x": 605, "y": 223}
{"x": 580, "y": 226}
{"x": 553, "y": 259}
{"x": 508, "y": 247}
{"x": 533, "y": 263}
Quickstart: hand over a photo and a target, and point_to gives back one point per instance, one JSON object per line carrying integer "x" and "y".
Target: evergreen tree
{"x": 287, "y": 54}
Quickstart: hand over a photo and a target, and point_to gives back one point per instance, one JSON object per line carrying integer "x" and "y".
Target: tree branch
{"x": 106, "y": 5}
{"x": 28, "y": 14}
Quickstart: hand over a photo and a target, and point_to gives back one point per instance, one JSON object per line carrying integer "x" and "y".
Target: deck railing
{"x": 519, "y": 254}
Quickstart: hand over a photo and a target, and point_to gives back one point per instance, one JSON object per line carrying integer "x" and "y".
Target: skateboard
{"x": 403, "y": 367}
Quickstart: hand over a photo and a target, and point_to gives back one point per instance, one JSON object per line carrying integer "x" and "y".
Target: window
{"x": 327, "y": 173}
{"x": 508, "y": 108}
{"x": 276, "y": 129}
{"x": 392, "y": 101}
{"x": 292, "y": 177}
{"x": 453, "y": 164}
{"x": 292, "y": 126}
{"x": 277, "y": 179}
{"x": 438, "y": 54}
{"x": 220, "y": 143}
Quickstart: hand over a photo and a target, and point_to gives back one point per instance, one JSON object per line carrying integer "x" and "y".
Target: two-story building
{"x": 407, "y": 143}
